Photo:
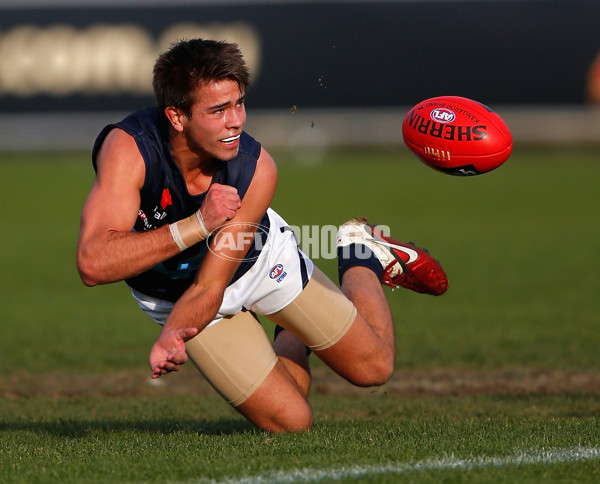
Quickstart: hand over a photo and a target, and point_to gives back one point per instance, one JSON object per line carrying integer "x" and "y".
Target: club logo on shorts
{"x": 277, "y": 272}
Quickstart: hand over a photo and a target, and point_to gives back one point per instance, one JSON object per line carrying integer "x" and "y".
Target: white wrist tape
{"x": 189, "y": 231}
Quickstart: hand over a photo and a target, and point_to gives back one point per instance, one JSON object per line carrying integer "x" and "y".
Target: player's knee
{"x": 374, "y": 372}
{"x": 298, "y": 422}
{"x": 287, "y": 414}
{"x": 290, "y": 420}
{"x": 384, "y": 369}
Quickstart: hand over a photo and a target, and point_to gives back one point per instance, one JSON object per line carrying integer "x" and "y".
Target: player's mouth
{"x": 231, "y": 140}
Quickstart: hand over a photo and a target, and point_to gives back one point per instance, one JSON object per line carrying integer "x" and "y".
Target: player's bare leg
{"x": 363, "y": 288}
{"x": 278, "y": 405}
{"x": 366, "y": 353}
{"x": 293, "y": 354}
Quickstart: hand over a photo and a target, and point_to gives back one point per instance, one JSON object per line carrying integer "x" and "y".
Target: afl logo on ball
{"x": 442, "y": 115}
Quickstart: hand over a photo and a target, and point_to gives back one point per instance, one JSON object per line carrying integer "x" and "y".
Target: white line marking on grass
{"x": 544, "y": 456}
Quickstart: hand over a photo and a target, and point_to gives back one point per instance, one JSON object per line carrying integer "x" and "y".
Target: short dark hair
{"x": 189, "y": 63}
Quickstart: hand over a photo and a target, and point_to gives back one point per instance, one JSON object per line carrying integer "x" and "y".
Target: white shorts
{"x": 274, "y": 280}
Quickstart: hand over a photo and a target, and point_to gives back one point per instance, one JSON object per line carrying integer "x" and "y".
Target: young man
{"x": 172, "y": 184}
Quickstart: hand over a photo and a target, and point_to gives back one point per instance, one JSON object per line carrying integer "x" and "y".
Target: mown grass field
{"x": 498, "y": 380}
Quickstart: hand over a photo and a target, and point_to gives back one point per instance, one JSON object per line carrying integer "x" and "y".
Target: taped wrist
{"x": 189, "y": 231}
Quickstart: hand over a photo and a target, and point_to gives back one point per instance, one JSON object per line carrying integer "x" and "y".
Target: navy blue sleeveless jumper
{"x": 165, "y": 199}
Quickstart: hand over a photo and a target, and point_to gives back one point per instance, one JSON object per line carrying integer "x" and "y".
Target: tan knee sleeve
{"x": 234, "y": 355}
{"x": 320, "y": 315}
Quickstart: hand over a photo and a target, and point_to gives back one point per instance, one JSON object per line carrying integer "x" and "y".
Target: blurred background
{"x": 325, "y": 73}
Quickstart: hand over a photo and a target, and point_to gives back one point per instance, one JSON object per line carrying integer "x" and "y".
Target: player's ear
{"x": 174, "y": 115}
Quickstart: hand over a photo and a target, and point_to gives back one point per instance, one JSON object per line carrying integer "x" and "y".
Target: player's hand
{"x": 168, "y": 352}
{"x": 220, "y": 204}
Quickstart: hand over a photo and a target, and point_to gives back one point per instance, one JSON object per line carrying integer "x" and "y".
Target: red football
{"x": 456, "y": 135}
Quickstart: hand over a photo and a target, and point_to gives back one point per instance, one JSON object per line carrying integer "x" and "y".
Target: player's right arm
{"x": 108, "y": 250}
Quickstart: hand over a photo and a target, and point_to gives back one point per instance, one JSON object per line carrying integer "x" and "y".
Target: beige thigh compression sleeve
{"x": 320, "y": 315}
{"x": 234, "y": 355}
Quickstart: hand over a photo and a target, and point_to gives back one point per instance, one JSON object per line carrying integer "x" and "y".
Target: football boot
{"x": 404, "y": 264}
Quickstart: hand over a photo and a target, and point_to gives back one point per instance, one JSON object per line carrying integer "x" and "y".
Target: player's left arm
{"x": 198, "y": 306}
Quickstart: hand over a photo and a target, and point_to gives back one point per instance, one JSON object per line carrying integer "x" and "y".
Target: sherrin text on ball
{"x": 457, "y": 135}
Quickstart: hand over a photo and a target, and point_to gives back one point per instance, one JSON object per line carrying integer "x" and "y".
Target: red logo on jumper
{"x": 165, "y": 200}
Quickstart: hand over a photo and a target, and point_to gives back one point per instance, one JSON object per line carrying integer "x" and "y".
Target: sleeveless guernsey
{"x": 165, "y": 199}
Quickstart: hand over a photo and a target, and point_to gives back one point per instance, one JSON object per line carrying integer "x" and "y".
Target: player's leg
{"x": 360, "y": 346}
{"x": 366, "y": 353}
{"x": 278, "y": 405}
{"x": 368, "y": 258}
{"x": 329, "y": 323}
{"x": 292, "y": 352}
{"x": 237, "y": 358}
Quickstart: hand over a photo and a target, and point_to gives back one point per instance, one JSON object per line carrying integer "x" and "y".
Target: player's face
{"x": 218, "y": 117}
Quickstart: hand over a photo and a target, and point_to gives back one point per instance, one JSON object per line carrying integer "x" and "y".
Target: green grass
{"x": 520, "y": 248}
{"x": 195, "y": 440}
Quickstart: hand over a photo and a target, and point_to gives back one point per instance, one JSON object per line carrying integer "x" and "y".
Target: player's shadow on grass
{"x": 80, "y": 428}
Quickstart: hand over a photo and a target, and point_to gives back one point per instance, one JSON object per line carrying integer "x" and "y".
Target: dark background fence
{"x": 92, "y": 56}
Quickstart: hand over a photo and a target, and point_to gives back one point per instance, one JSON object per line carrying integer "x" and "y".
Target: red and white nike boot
{"x": 404, "y": 264}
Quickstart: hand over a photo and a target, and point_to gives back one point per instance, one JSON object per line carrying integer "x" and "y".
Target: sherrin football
{"x": 456, "y": 135}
